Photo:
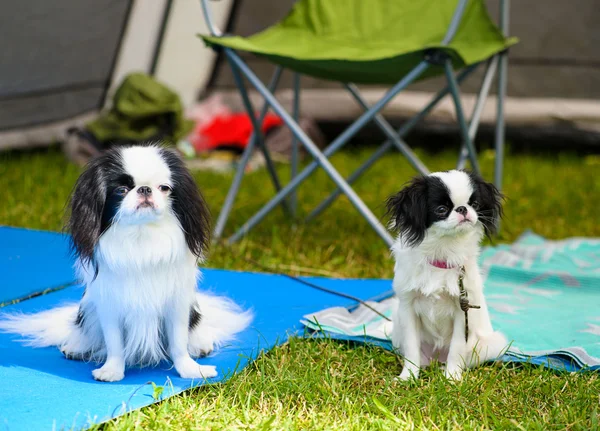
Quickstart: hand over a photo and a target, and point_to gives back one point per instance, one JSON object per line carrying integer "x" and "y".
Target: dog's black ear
{"x": 408, "y": 211}
{"x": 86, "y": 208}
{"x": 490, "y": 202}
{"x": 188, "y": 205}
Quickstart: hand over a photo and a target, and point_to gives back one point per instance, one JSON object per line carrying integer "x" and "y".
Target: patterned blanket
{"x": 544, "y": 295}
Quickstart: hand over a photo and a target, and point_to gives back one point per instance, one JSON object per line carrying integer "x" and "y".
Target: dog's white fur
{"x": 142, "y": 293}
{"x": 427, "y": 320}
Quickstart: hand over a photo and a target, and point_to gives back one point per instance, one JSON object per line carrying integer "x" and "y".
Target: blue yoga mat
{"x": 43, "y": 390}
{"x": 32, "y": 261}
{"x": 32, "y": 380}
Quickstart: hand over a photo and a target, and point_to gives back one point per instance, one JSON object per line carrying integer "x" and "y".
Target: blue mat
{"x": 32, "y": 261}
{"x": 41, "y": 389}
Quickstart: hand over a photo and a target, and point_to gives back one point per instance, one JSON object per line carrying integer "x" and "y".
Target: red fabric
{"x": 230, "y": 130}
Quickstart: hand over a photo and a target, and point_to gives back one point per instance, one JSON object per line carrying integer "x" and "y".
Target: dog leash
{"x": 463, "y": 297}
{"x": 463, "y": 300}
{"x": 309, "y": 284}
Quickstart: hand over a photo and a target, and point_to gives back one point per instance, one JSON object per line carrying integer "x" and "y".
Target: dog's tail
{"x": 220, "y": 320}
{"x": 483, "y": 348}
{"x": 53, "y": 327}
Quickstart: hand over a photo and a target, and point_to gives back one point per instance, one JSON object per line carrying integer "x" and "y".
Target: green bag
{"x": 143, "y": 109}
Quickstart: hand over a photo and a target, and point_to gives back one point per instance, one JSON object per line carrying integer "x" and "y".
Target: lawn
{"x": 309, "y": 384}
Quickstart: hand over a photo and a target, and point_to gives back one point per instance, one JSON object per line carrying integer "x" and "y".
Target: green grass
{"x": 309, "y": 384}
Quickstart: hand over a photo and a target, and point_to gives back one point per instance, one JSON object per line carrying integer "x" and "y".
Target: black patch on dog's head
{"x": 101, "y": 188}
{"x": 488, "y": 203}
{"x": 93, "y": 204}
{"x": 113, "y": 197}
{"x": 417, "y": 206}
{"x": 188, "y": 204}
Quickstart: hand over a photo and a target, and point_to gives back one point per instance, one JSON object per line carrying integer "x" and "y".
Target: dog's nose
{"x": 461, "y": 210}
{"x": 145, "y": 191}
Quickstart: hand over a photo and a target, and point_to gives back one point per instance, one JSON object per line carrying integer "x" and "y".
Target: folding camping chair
{"x": 393, "y": 42}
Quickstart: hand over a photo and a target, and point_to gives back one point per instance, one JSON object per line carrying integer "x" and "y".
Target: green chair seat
{"x": 371, "y": 41}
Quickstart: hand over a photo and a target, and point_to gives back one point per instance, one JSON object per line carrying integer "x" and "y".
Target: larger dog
{"x": 139, "y": 228}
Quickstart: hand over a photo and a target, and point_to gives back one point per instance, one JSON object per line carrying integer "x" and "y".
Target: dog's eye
{"x": 441, "y": 210}
{"x": 121, "y": 191}
{"x": 475, "y": 205}
{"x": 164, "y": 188}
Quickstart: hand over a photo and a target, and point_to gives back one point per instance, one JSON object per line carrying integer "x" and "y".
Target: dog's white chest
{"x": 436, "y": 314}
{"x": 152, "y": 290}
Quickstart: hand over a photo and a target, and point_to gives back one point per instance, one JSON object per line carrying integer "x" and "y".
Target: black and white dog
{"x": 441, "y": 219}
{"x": 139, "y": 228}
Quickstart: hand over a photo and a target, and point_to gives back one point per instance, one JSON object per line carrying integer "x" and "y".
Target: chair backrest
{"x": 450, "y": 33}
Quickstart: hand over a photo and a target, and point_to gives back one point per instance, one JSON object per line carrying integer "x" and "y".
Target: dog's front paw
{"x": 190, "y": 369}
{"x": 208, "y": 371}
{"x": 408, "y": 374}
{"x": 108, "y": 373}
{"x": 453, "y": 373}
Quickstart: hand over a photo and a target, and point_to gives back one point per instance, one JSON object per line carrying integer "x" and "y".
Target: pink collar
{"x": 442, "y": 264}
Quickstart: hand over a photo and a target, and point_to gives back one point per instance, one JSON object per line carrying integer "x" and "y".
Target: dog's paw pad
{"x": 453, "y": 374}
{"x": 406, "y": 376}
{"x": 108, "y": 374}
{"x": 192, "y": 370}
{"x": 208, "y": 371}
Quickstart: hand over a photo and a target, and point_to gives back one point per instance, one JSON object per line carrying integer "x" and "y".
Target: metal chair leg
{"x": 258, "y": 132}
{"x": 239, "y": 173}
{"x": 484, "y": 91}
{"x": 389, "y": 131}
{"x": 500, "y": 124}
{"x": 460, "y": 116}
{"x": 502, "y": 82}
{"x": 294, "y": 161}
{"x": 321, "y": 157}
{"x": 386, "y": 146}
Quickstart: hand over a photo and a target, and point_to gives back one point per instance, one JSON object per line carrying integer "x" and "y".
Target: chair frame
{"x": 468, "y": 129}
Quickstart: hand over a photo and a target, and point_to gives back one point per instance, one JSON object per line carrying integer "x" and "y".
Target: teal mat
{"x": 544, "y": 295}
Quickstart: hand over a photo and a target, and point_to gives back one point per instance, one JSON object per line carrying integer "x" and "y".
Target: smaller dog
{"x": 440, "y": 310}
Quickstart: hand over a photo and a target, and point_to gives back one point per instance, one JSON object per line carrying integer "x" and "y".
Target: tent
{"x": 60, "y": 59}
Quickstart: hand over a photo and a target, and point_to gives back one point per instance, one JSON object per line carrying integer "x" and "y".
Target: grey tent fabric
{"x": 57, "y": 58}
